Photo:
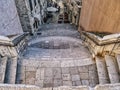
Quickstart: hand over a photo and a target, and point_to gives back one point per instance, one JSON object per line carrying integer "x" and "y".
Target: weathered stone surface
{"x": 102, "y": 70}
{"x": 9, "y": 20}
{"x": 58, "y": 82}
{"x": 118, "y": 61}
{"x": 66, "y": 77}
{"x": 48, "y": 72}
{"x": 84, "y": 76}
{"x": 76, "y": 83}
{"x": 57, "y": 73}
{"x": 67, "y": 83}
{"x": 75, "y": 77}
{"x": 83, "y": 69}
{"x": 50, "y": 63}
{"x": 10, "y": 76}
{"x": 3, "y": 64}
{"x": 73, "y": 70}
{"x": 65, "y": 71}
{"x": 48, "y": 80}
{"x": 30, "y": 77}
{"x": 72, "y": 88}
{"x": 112, "y": 68}
{"x": 58, "y": 66}
{"x": 108, "y": 87}
{"x": 85, "y": 82}
{"x": 67, "y": 63}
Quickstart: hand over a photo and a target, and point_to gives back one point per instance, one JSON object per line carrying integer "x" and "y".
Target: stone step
{"x": 54, "y": 26}
{"x": 3, "y": 63}
{"x": 102, "y": 71}
{"x": 112, "y": 68}
{"x": 118, "y": 61}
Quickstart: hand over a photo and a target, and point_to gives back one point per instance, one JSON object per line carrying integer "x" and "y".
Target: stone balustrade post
{"x": 3, "y": 63}
{"x": 11, "y": 70}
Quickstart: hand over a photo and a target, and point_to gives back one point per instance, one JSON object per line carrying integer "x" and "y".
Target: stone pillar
{"x": 3, "y": 62}
{"x": 11, "y": 70}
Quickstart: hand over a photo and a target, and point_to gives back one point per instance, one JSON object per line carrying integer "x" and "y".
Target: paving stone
{"x": 83, "y": 69}
{"x": 93, "y": 74}
{"x": 58, "y": 82}
{"x": 84, "y": 76}
{"x": 39, "y": 82}
{"x": 73, "y": 70}
{"x": 57, "y": 73}
{"x": 48, "y": 85}
{"x": 67, "y": 83}
{"x": 66, "y": 77}
{"x": 85, "y": 82}
{"x": 93, "y": 82}
{"x": 48, "y": 72}
{"x": 65, "y": 70}
{"x": 48, "y": 80}
{"x": 76, "y": 83}
{"x": 92, "y": 67}
{"x": 30, "y": 77}
{"x": 30, "y": 62}
{"x": 42, "y": 73}
{"x": 75, "y": 77}
{"x": 38, "y": 74}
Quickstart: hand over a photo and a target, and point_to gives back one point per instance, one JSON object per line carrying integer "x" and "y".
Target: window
{"x": 31, "y": 7}
{"x": 35, "y": 2}
{"x": 39, "y": 1}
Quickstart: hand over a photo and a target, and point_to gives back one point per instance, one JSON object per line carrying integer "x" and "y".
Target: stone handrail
{"x": 19, "y": 38}
{"x": 100, "y": 46}
{"x": 5, "y": 41}
{"x": 109, "y": 39}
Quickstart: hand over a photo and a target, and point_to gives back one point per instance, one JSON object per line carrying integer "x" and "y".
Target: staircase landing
{"x": 57, "y": 58}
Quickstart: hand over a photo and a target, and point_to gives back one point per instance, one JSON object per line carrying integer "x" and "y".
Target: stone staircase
{"x": 47, "y": 63}
{"x": 108, "y": 69}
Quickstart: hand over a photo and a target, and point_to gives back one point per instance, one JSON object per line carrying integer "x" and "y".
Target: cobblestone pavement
{"x": 57, "y": 58}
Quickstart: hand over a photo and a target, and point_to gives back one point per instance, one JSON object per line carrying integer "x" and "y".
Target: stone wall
{"x": 9, "y": 20}
{"x": 100, "y": 16}
{"x": 24, "y": 15}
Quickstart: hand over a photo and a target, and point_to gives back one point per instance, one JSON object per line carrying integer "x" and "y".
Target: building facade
{"x": 32, "y": 13}
{"x": 9, "y": 19}
{"x": 73, "y": 8}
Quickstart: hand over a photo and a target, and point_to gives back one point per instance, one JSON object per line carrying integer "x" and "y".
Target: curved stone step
{"x": 112, "y": 69}
{"x": 102, "y": 70}
{"x": 57, "y": 26}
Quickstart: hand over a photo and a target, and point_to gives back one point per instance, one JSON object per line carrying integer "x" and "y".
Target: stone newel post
{"x": 11, "y": 70}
